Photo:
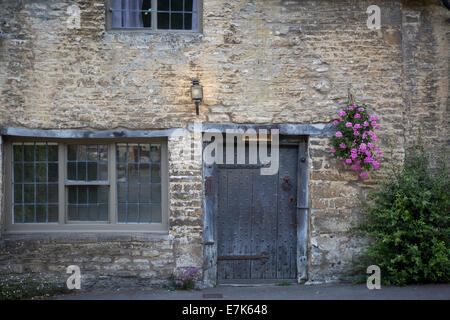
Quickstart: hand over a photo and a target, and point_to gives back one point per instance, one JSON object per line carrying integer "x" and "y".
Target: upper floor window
{"x": 154, "y": 14}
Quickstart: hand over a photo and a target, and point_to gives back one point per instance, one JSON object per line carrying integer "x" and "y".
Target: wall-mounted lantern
{"x": 196, "y": 93}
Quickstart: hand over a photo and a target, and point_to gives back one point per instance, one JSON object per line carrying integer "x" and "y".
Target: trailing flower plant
{"x": 355, "y": 139}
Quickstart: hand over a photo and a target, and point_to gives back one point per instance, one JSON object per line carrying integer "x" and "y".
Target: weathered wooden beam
{"x": 317, "y": 129}
{"x": 85, "y": 134}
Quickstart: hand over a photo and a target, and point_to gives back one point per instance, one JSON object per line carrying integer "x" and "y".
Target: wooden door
{"x": 256, "y": 220}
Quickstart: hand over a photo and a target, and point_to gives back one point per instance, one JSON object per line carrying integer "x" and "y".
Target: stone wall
{"x": 1, "y": 183}
{"x": 185, "y": 204}
{"x": 105, "y": 260}
{"x": 334, "y": 206}
{"x": 259, "y": 62}
{"x": 426, "y": 35}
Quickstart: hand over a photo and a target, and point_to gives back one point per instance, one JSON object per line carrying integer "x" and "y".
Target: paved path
{"x": 293, "y": 292}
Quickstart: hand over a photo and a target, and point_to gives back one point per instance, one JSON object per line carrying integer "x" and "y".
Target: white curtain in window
{"x": 127, "y": 15}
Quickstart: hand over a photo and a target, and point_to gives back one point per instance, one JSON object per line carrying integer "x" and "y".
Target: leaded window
{"x": 35, "y": 182}
{"x": 154, "y": 14}
{"x": 139, "y": 182}
{"x": 77, "y": 185}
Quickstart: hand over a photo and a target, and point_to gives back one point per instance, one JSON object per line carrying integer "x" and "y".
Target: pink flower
{"x": 357, "y": 126}
{"x": 374, "y": 137}
{"x": 364, "y": 135}
{"x": 362, "y": 147}
{"x": 354, "y": 156}
{"x": 357, "y": 115}
{"x": 361, "y": 109}
{"x": 372, "y": 118}
{"x": 358, "y": 162}
{"x": 377, "y": 128}
{"x": 353, "y": 150}
{"x": 376, "y": 165}
{"x": 365, "y": 124}
{"x": 374, "y": 123}
{"x": 341, "y": 120}
{"x": 342, "y": 113}
{"x": 356, "y": 133}
{"x": 335, "y": 122}
{"x": 364, "y": 174}
{"x": 348, "y": 161}
{"x": 377, "y": 117}
{"x": 370, "y": 144}
{"x": 332, "y": 150}
{"x": 348, "y": 124}
{"x": 356, "y": 167}
{"x": 338, "y": 134}
{"x": 342, "y": 146}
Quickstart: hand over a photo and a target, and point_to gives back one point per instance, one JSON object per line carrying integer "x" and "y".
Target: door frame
{"x": 210, "y": 205}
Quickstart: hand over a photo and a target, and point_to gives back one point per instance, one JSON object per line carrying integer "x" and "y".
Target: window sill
{"x": 79, "y": 236}
{"x": 85, "y": 227}
{"x": 151, "y": 31}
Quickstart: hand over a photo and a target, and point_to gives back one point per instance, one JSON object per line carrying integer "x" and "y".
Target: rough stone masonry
{"x": 260, "y": 62}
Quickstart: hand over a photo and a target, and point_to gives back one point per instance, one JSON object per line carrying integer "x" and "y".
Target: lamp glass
{"x": 197, "y": 92}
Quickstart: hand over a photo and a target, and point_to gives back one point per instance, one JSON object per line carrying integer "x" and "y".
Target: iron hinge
{"x": 209, "y": 187}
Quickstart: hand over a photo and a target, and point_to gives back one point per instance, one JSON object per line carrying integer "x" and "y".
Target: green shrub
{"x": 407, "y": 219}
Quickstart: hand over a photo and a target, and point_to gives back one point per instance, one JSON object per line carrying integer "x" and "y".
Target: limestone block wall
{"x": 1, "y": 183}
{"x": 334, "y": 208}
{"x": 105, "y": 260}
{"x": 259, "y": 62}
{"x": 425, "y": 41}
{"x": 185, "y": 203}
